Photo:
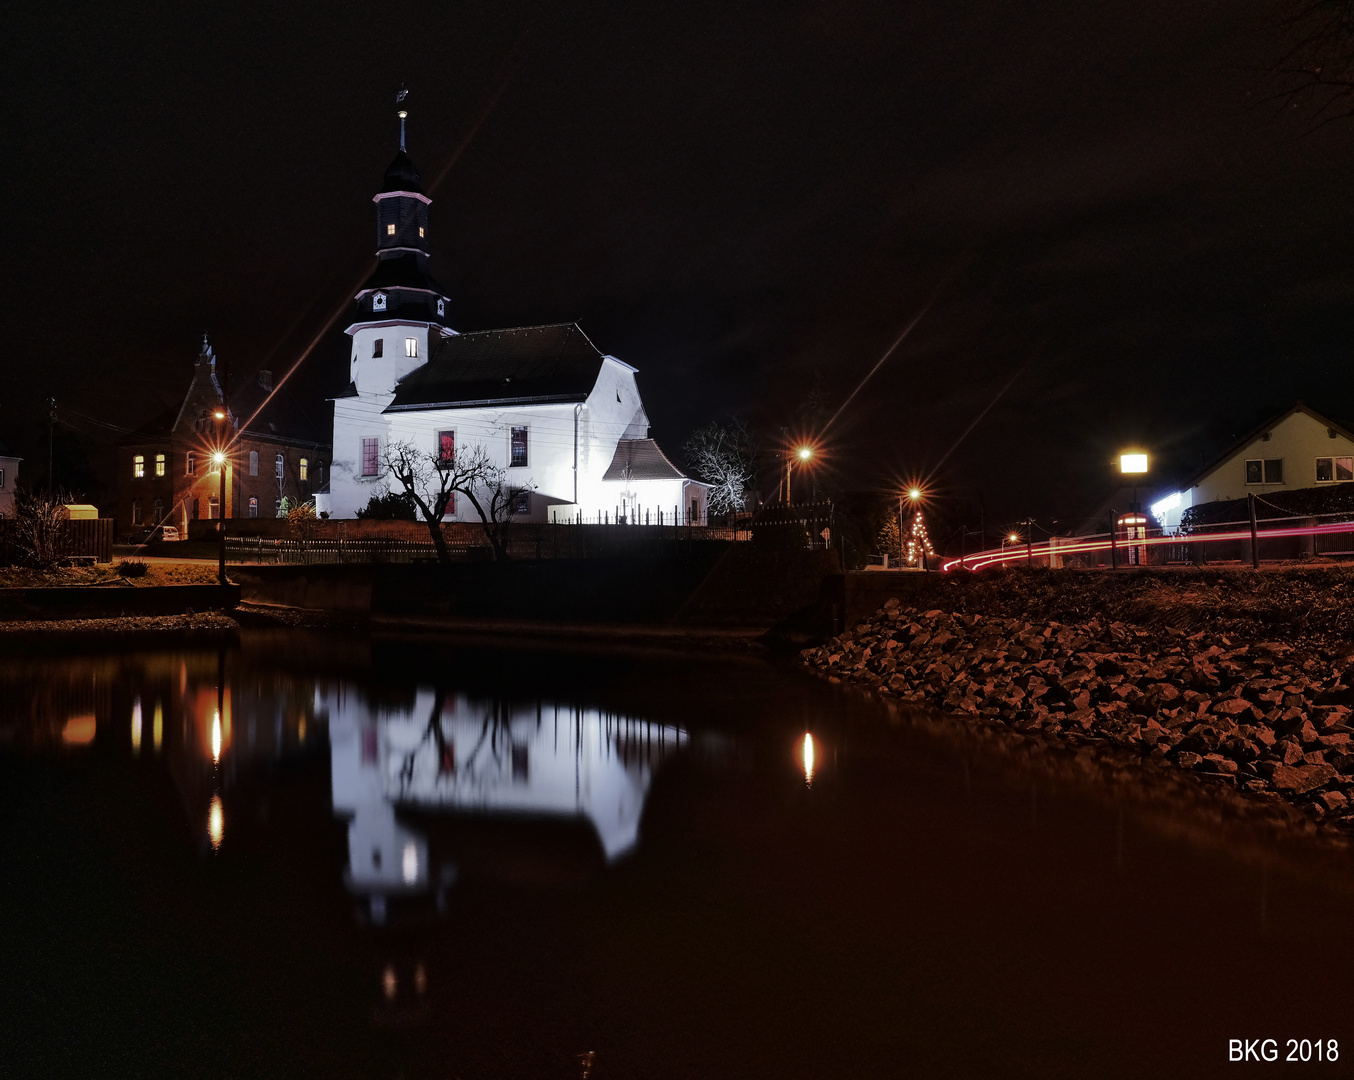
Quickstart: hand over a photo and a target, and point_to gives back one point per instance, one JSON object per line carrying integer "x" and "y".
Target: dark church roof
{"x": 531, "y": 365}
{"x": 405, "y": 271}
{"x": 402, "y": 176}
{"x": 644, "y": 460}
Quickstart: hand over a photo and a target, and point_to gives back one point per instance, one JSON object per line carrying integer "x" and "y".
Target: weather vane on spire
{"x": 403, "y": 112}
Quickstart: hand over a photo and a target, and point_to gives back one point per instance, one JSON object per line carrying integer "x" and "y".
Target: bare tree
{"x": 722, "y": 456}
{"x": 433, "y": 481}
{"x": 1317, "y": 71}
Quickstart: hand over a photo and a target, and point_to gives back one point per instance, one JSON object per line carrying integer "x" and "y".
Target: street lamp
{"x": 219, "y": 459}
{"x": 804, "y": 453}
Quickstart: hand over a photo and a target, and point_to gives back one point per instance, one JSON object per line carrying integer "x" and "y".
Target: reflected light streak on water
{"x": 409, "y": 866}
{"x": 157, "y": 727}
{"x": 136, "y": 725}
{"x": 389, "y": 984}
{"x": 216, "y": 822}
{"x": 216, "y": 738}
{"x": 808, "y": 758}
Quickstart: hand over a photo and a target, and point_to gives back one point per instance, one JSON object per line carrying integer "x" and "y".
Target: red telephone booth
{"x": 1131, "y": 528}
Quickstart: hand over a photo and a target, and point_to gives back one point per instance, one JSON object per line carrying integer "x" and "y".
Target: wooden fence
{"x": 88, "y": 539}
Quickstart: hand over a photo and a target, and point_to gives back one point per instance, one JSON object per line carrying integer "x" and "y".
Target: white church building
{"x": 562, "y": 418}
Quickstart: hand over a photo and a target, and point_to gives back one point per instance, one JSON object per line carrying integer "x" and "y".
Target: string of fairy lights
{"x": 918, "y": 541}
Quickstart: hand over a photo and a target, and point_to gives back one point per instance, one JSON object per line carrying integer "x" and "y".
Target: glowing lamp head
{"x": 1132, "y": 463}
{"x": 218, "y": 458}
{"x": 914, "y": 494}
{"x": 805, "y": 452}
{"x": 219, "y": 414}
{"x": 1013, "y": 537}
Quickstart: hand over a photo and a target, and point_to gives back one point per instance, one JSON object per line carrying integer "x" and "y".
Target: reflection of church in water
{"x": 446, "y": 756}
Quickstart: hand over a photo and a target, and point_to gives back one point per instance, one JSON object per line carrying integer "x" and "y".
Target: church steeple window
{"x": 411, "y": 346}
{"x": 420, "y": 232}
{"x": 378, "y": 347}
{"x": 390, "y": 229}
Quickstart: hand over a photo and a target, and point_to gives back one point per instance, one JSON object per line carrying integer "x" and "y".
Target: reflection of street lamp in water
{"x": 808, "y": 760}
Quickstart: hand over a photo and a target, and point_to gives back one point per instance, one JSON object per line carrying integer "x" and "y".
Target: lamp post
{"x": 1133, "y": 463}
{"x": 803, "y": 453}
{"x": 219, "y": 458}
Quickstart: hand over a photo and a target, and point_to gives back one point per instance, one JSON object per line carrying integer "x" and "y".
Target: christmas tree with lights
{"x": 917, "y": 543}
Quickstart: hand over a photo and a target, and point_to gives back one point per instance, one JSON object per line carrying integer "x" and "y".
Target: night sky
{"x": 1091, "y": 203}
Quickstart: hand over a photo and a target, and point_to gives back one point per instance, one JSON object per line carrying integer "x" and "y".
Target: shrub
{"x": 130, "y": 568}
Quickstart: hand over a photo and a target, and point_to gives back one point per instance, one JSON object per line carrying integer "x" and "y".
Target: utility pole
{"x": 51, "y": 438}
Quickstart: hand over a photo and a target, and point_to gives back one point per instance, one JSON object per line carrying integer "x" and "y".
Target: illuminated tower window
{"x": 390, "y": 230}
{"x": 411, "y": 346}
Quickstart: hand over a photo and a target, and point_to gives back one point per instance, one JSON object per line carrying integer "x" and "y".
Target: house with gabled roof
{"x": 166, "y": 472}
{"x": 1296, "y": 448}
{"x": 564, "y": 420}
{"x": 9, "y": 477}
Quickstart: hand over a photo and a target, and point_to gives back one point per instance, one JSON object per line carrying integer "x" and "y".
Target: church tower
{"x": 402, "y": 310}
{"x": 401, "y": 315}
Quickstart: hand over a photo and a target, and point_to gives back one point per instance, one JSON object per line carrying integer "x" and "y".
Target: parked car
{"x": 155, "y": 532}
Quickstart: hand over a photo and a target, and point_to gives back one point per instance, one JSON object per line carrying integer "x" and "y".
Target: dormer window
{"x": 378, "y": 302}
{"x": 390, "y": 230}
{"x": 378, "y": 347}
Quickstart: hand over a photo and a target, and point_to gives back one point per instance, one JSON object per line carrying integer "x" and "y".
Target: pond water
{"x": 321, "y": 856}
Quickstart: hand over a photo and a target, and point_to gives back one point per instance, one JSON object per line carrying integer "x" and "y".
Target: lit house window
{"x": 253, "y": 463}
{"x": 136, "y": 511}
{"x": 190, "y": 463}
{"x": 519, "y": 447}
{"x": 279, "y": 463}
{"x": 253, "y": 507}
{"x": 304, "y": 469}
{"x": 1267, "y": 471}
{"x": 446, "y": 447}
{"x": 1330, "y": 469}
{"x": 371, "y": 452}
{"x": 378, "y": 347}
{"x": 139, "y": 465}
{"x": 390, "y": 230}
{"x": 411, "y": 346}
{"x": 159, "y": 464}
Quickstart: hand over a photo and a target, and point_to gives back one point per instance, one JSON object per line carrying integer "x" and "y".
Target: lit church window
{"x": 305, "y": 469}
{"x": 390, "y": 230}
{"x": 420, "y": 232}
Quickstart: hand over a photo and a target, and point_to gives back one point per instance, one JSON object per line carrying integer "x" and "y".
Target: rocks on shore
{"x": 1270, "y": 717}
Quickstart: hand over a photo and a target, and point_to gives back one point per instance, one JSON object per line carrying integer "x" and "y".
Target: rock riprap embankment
{"x": 1268, "y": 716}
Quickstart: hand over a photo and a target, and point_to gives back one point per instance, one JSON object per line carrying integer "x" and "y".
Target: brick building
{"x": 167, "y": 473}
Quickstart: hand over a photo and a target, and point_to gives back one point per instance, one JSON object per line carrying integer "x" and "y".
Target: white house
{"x": 9, "y": 476}
{"x": 1298, "y": 448}
{"x": 563, "y": 419}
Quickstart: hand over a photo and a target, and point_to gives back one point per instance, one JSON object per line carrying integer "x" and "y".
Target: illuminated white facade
{"x": 1299, "y": 448}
